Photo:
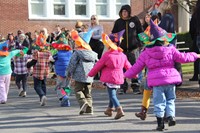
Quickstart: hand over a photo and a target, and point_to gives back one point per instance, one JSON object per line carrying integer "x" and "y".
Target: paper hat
{"x": 41, "y": 43}
{"x": 4, "y": 49}
{"x": 116, "y": 37}
{"x": 24, "y": 49}
{"x": 108, "y": 43}
{"x": 82, "y": 41}
{"x": 156, "y": 33}
{"x": 61, "y": 44}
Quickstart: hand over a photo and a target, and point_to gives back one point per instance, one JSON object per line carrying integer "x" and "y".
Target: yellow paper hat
{"x": 108, "y": 43}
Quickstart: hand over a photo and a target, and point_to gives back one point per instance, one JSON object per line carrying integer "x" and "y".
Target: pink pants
{"x": 4, "y": 87}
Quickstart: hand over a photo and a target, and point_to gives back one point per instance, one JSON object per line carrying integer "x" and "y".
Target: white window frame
{"x": 70, "y": 11}
{"x": 60, "y": 3}
{"x": 103, "y": 5}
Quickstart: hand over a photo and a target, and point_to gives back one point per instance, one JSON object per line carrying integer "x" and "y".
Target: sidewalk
{"x": 25, "y": 115}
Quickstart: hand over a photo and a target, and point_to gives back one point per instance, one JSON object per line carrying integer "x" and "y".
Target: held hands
{"x": 21, "y": 53}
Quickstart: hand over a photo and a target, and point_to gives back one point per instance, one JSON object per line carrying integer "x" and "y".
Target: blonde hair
{"x": 78, "y": 24}
{"x": 97, "y": 19}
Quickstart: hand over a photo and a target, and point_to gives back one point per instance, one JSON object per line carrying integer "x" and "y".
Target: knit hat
{"x": 83, "y": 40}
{"x": 62, "y": 43}
{"x": 108, "y": 43}
{"x": 116, "y": 37}
{"x": 156, "y": 33}
{"x": 4, "y": 49}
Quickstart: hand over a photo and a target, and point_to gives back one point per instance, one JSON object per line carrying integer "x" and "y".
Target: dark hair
{"x": 9, "y": 35}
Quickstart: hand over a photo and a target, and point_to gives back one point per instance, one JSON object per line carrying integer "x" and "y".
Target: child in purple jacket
{"x": 111, "y": 66}
{"x": 162, "y": 75}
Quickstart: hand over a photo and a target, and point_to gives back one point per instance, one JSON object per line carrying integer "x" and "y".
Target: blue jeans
{"x": 40, "y": 86}
{"x": 164, "y": 100}
{"x": 113, "y": 100}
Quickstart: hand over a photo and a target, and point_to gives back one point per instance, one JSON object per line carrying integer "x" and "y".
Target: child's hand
{"x": 198, "y": 55}
{"x": 21, "y": 53}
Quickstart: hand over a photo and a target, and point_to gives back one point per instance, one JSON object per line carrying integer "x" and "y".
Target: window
{"x": 37, "y": 7}
{"x": 101, "y": 7}
{"x": 74, "y": 9}
{"x": 59, "y": 7}
{"x": 120, "y": 3}
{"x": 80, "y": 7}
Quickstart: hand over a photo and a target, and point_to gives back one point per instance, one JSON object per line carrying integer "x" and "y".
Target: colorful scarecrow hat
{"x": 116, "y": 37}
{"x": 41, "y": 43}
{"x": 61, "y": 44}
{"x": 4, "y": 49}
{"x": 108, "y": 43}
{"x": 82, "y": 41}
{"x": 154, "y": 33}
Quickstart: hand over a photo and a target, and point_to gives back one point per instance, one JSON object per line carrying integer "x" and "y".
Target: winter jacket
{"x": 62, "y": 59}
{"x": 5, "y": 62}
{"x": 111, "y": 66}
{"x": 81, "y": 62}
{"x": 160, "y": 61}
{"x": 168, "y": 24}
{"x": 132, "y": 28}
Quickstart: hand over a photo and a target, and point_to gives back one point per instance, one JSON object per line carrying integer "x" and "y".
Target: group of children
{"x": 82, "y": 64}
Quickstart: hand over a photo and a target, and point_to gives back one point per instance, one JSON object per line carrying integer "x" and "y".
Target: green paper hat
{"x": 154, "y": 33}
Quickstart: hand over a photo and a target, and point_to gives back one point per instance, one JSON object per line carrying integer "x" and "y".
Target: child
{"x": 111, "y": 66}
{"x": 162, "y": 76}
{"x": 81, "y": 62}
{"x": 21, "y": 71}
{"x": 62, "y": 59}
{"x": 41, "y": 68}
{"x": 5, "y": 70}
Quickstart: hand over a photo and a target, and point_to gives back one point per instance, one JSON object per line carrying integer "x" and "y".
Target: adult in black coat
{"x": 195, "y": 33}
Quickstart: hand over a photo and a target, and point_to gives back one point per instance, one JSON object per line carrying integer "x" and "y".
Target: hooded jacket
{"x": 81, "y": 62}
{"x": 62, "y": 59}
{"x": 111, "y": 66}
{"x": 132, "y": 28}
{"x": 160, "y": 61}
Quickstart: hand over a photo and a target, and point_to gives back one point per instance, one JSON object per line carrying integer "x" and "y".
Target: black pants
{"x": 97, "y": 46}
{"x": 21, "y": 78}
{"x": 195, "y": 49}
{"x": 134, "y": 82}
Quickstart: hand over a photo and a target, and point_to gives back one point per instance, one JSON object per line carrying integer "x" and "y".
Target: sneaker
{"x": 43, "y": 101}
{"x": 83, "y": 108}
{"x": 20, "y": 92}
{"x": 23, "y": 94}
{"x": 3, "y": 102}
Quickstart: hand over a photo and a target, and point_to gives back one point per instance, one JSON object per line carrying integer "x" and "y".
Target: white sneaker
{"x": 20, "y": 92}
{"x": 43, "y": 101}
{"x": 83, "y": 108}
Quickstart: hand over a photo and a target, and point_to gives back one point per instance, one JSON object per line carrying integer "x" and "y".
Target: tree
{"x": 190, "y": 3}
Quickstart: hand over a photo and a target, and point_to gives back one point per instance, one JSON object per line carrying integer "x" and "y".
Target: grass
{"x": 188, "y": 68}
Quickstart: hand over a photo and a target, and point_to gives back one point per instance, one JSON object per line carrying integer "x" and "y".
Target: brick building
{"x": 31, "y": 15}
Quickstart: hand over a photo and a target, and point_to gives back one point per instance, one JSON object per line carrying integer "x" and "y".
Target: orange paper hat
{"x": 81, "y": 42}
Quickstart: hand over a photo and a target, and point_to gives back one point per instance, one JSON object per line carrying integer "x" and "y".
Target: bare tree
{"x": 190, "y": 3}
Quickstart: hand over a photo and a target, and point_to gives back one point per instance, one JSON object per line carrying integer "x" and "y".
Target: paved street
{"x": 25, "y": 115}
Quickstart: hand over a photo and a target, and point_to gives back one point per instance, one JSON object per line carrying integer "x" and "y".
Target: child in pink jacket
{"x": 162, "y": 77}
{"x": 111, "y": 66}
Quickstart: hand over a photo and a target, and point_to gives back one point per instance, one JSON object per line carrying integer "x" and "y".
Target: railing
{"x": 178, "y": 44}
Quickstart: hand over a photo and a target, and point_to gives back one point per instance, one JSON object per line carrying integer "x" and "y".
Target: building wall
{"x": 14, "y": 16}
